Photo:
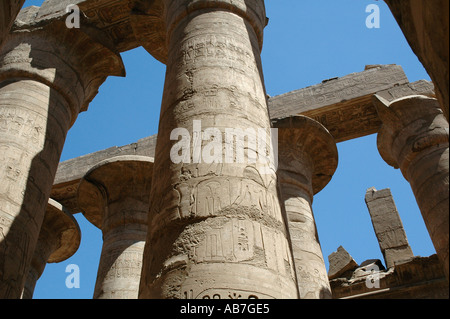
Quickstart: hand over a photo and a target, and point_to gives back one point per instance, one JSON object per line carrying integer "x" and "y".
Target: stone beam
{"x": 125, "y": 23}
{"x": 72, "y": 171}
{"x": 344, "y": 105}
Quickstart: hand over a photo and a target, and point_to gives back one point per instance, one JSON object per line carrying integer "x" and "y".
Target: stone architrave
{"x": 59, "y": 239}
{"x": 8, "y": 12}
{"x": 414, "y": 137}
{"x": 388, "y": 226}
{"x": 48, "y": 75}
{"x": 216, "y": 229}
{"x": 307, "y": 160}
{"x": 114, "y": 196}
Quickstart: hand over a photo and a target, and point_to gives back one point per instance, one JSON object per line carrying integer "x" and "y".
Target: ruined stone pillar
{"x": 307, "y": 160}
{"x": 215, "y": 227}
{"x": 414, "y": 137}
{"x": 114, "y": 196}
{"x": 59, "y": 239}
{"x": 8, "y": 12}
{"x": 388, "y": 227}
{"x": 48, "y": 74}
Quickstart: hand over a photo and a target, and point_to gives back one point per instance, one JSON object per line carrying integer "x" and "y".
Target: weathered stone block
{"x": 340, "y": 262}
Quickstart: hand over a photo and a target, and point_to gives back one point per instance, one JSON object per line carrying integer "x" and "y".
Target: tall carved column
{"x": 425, "y": 26}
{"x": 414, "y": 137}
{"x": 114, "y": 196}
{"x": 8, "y": 12}
{"x": 48, "y": 74}
{"x": 307, "y": 160}
{"x": 59, "y": 239}
{"x": 215, "y": 226}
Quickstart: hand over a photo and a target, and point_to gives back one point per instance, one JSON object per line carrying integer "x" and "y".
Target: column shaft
{"x": 59, "y": 238}
{"x": 114, "y": 196}
{"x": 34, "y": 120}
{"x": 308, "y": 258}
{"x": 215, "y": 229}
{"x": 47, "y": 76}
{"x": 119, "y": 271}
{"x": 414, "y": 137}
{"x": 429, "y": 176}
{"x": 308, "y": 158}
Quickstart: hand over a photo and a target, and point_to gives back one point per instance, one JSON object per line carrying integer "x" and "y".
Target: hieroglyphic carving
{"x": 213, "y": 195}
{"x": 246, "y": 242}
{"x": 21, "y": 123}
{"x": 124, "y": 264}
{"x": 228, "y": 294}
{"x": 220, "y": 47}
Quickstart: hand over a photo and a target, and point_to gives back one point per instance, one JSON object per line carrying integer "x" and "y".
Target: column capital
{"x": 74, "y": 62}
{"x": 59, "y": 239}
{"x": 8, "y": 12}
{"x": 153, "y": 22}
{"x": 253, "y": 11}
{"x": 115, "y": 180}
{"x": 304, "y": 141}
{"x": 410, "y": 125}
{"x": 59, "y": 221}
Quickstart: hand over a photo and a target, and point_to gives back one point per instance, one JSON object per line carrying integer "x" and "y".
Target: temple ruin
{"x": 178, "y": 227}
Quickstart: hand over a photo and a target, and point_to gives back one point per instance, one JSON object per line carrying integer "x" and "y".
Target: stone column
{"x": 8, "y": 12}
{"x": 48, "y": 74}
{"x": 414, "y": 137}
{"x": 114, "y": 196}
{"x": 307, "y": 160}
{"x": 215, "y": 228}
{"x": 59, "y": 239}
{"x": 425, "y": 26}
{"x": 388, "y": 227}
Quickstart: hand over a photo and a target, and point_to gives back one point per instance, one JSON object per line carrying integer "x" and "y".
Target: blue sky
{"x": 306, "y": 41}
